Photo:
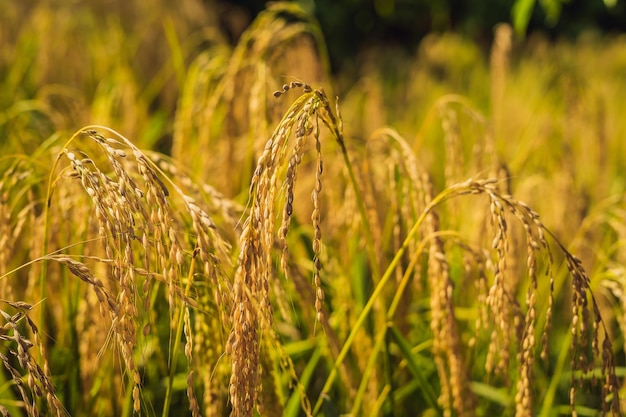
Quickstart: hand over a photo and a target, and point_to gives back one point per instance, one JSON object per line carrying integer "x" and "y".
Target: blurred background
{"x": 357, "y": 24}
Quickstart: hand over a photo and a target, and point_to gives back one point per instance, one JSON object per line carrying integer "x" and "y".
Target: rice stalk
{"x": 133, "y": 214}
{"x": 499, "y": 66}
{"x": 252, "y": 314}
{"x": 505, "y": 315}
{"x": 155, "y": 252}
{"x": 447, "y": 346}
{"x": 38, "y": 381}
{"x": 218, "y": 110}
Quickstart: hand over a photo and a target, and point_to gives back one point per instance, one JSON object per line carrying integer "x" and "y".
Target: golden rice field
{"x": 192, "y": 226}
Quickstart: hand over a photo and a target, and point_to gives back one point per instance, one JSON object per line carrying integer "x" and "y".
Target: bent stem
{"x": 458, "y": 189}
{"x": 429, "y": 395}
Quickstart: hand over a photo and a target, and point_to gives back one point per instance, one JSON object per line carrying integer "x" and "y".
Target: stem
{"x": 176, "y": 347}
{"x": 430, "y": 396}
{"x": 369, "y": 238}
{"x": 335, "y": 125}
{"x": 548, "y": 398}
{"x": 443, "y": 196}
{"x": 46, "y": 230}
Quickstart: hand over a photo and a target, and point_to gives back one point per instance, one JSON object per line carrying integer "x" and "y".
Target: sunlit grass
{"x": 190, "y": 227}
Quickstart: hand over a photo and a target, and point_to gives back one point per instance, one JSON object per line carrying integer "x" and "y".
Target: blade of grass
{"x": 548, "y": 398}
{"x": 293, "y": 404}
{"x": 335, "y": 126}
{"x": 426, "y": 387}
{"x": 390, "y": 316}
{"x": 448, "y": 193}
{"x": 176, "y": 347}
{"x": 384, "y": 395}
{"x": 493, "y": 394}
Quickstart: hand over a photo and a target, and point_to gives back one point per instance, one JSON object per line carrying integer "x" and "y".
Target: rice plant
{"x": 433, "y": 240}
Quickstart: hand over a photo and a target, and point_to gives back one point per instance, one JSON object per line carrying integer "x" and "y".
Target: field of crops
{"x": 191, "y": 225}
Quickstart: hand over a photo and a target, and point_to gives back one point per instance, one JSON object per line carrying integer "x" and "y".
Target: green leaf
{"x": 294, "y": 404}
{"x": 521, "y": 12}
{"x": 426, "y": 388}
{"x": 493, "y": 394}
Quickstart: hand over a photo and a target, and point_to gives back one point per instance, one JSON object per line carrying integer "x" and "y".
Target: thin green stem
{"x": 176, "y": 347}
{"x": 440, "y": 198}
{"x": 335, "y": 126}
{"x": 170, "y": 380}
{"x": 431, "y": 398}
{"x": 369, "y": 237}
{"x": 46, "y": 229}
{"x": 548, "y": 398}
